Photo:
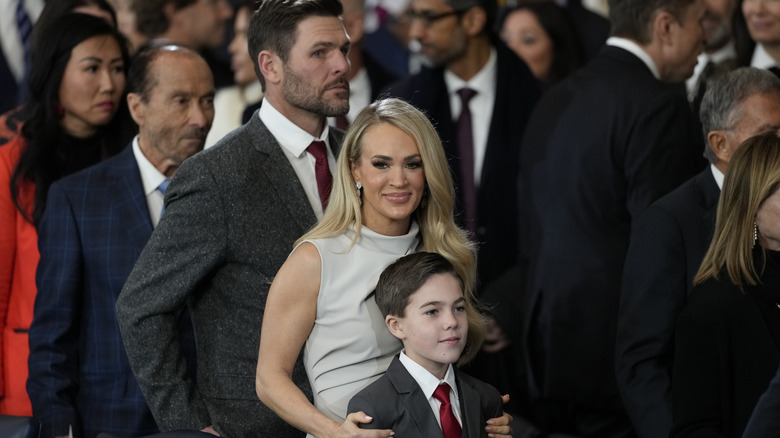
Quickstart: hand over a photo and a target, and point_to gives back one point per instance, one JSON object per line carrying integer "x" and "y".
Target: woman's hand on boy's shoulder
{"x": 502, "y": 426}
{"x": 350, "y": 428}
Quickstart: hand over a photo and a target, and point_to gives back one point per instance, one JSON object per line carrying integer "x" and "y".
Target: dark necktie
{"x": 24, "y": 27}
{"x": 342, "y": 123}
{"x": 321, "y": 171}
{"x": 466, "y": 152}
{"x": 449, "y": 424}
{"x": 162, "y": 188}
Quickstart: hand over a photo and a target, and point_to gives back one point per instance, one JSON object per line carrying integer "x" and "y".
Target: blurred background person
{"x": 668, "y": 243}
{"x": 230, "y": 103}
{"x": 126, "y": 22}
{"x": 727, "y": 337}
{"x": 76, "y": 84}
{"x": 762, "y": 18}
{"x": 367, "y": 77}
{"x": 94, "y": 228}
{"x": 9, "y": 121}
{"x": 197, "y": 24}
{"x": 16, "y": 22}
{"x": 543, "y": 35}
{"x": 718, "y": 48}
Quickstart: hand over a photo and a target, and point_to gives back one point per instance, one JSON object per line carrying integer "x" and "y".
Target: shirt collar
{"x": 150, "y": 176}
{"x": 427, "y": 381}
{"x": 289, "y": 135}
{"x": 761, "y": 58}
{"x": 637, "y": 51}
{"x": 482, "y": 82}
{"x": 718, "y": 175}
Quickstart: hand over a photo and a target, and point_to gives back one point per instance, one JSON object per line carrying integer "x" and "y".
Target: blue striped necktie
{"x": 162, "y": 188}
{"x": 24, "y": 26}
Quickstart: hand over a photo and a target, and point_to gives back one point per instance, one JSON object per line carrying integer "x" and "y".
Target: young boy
{"x": 421, "y": 394}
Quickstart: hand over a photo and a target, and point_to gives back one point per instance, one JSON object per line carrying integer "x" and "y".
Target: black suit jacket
{"x": 765, "y": 423}
{"x": 379, "y": 77}
{"x": 395, "y": 401}
{"x": 592, "y": 28}
{"x": 668, "y": 243}
{"x": 516, "y": 94}
{"x": 600, "y": 147}
{"x": 725, "y": 356}
{"x": 232, "y": 214}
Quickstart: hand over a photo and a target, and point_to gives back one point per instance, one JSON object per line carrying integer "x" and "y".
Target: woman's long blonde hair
{"x": 753, "y": 176}
{"x": 434, "y": 214}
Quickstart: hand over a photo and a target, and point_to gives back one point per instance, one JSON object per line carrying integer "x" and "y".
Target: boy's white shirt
{"x": 428, "y": 384}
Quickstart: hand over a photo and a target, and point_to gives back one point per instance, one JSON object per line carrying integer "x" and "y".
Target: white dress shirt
{"x": 638, "y": 51}
{"x": 718, "y": 175}
{"x": 761, "y": 58}
{"x": 481, "y": 106}
{"x": 726, "y": 52}
{"x": 151, "y": 178}
{"x": 428, "y": 384}
{"x": 294, "y": 142}
{"x": 229, "y": 105}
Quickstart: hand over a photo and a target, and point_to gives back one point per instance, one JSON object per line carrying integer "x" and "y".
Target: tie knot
{"x": 317, "y": 149}
{"x": 164, "y": 185}
{"x": 466, "y": 94}
{"x": 442, "y": 393}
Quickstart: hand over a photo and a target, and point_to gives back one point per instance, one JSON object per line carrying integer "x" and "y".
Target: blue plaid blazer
{"x": 95, "y": 225}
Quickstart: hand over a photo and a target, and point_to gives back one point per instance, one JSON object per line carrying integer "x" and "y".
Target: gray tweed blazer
{"x": 232, "y": 214}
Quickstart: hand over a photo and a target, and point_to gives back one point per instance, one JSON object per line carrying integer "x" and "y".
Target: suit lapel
{"x": 469, "y": 408}
{"x": 128, "y": 190}
{"x": 414, "y": 400}
{"x": 280, "y": 174}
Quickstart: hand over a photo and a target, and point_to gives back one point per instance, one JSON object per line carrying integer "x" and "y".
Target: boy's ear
{"x": 395, "y": 326}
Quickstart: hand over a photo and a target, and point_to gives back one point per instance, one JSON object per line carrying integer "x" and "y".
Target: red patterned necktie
{"x": 449, "y": 424}
{"x": 321, "y": 171}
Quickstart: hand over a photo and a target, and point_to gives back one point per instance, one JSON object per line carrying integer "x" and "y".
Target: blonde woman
{"x": 392, "y": 195}
{"x": 727, "y": 337}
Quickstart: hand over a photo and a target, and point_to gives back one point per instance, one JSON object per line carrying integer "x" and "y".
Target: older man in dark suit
{"x": 95, "y": 226}
{"x": 600, "y": 147}
{"x": 232, "y": 215}
{"x": 668, "y": 243}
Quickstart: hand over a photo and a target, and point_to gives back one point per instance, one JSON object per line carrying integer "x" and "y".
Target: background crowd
{"x": 603, "y": 178}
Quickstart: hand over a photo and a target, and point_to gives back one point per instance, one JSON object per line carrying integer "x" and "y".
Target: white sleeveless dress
{"x": 350, "y": 346}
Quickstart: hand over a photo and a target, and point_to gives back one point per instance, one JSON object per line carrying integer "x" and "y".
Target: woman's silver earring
{"x": 755, "y": 233}
{"x": 359, "y": 187}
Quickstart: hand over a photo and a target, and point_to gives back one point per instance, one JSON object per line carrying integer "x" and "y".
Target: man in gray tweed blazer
{"x": 232, "y": 214}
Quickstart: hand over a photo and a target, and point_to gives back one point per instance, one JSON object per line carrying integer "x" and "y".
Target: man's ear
{"x": 719, "y": 144}
{"x": 137, "y": 108}
{"x": 270, "y": 66}
{"x": 395, "y": 326}
{"x": 474, "y": 20}
{"x": 663, "y": 27}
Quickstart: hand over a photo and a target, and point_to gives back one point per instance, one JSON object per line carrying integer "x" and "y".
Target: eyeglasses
{"x": 427, "y": 18}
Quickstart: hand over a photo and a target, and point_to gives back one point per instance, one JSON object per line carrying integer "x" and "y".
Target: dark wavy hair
{"x": 568, "y": 53}
{"x": 44, "y": 159}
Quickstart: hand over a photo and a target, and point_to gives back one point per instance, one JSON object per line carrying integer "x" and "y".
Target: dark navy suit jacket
{"x": 668, "y": 243}
{"x": 395, "y": 401}
{"x": 600, "y": 147}
{"x": 95, "y": 225}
